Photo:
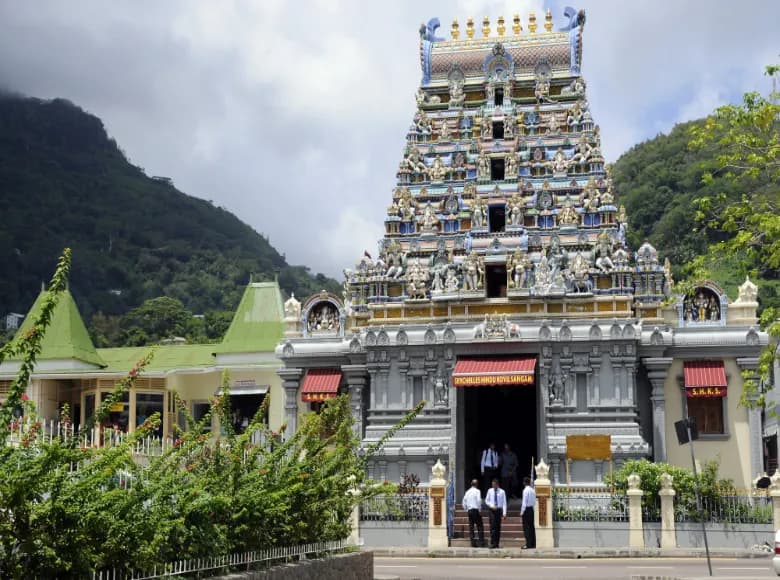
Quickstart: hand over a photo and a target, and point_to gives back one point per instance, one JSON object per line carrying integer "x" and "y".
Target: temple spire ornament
{"x": 516, "y": 27}
{"x": 470, "y": 28}
{"x": 485, "y": 27}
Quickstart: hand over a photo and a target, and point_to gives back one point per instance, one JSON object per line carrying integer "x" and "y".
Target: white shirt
{"x": 529, "y": 498}
{"x": 496, "y": 498}
{"x": 489, "y": 459}
{"x": 473, "y": 499}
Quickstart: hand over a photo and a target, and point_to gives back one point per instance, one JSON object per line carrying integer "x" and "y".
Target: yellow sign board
{"x": 593, "y": 447}
{"x": 488, "y": 379}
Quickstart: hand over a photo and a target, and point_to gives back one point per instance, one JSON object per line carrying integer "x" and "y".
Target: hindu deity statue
{"x": 553, "y": 128}
{"x": 478, "y": 214}
{"x": 444, "y": 130}
{"x": 486, "y": 128}
{"x": 416, "y": 281}
{"x": 437, "y": 170}
{"x": 483, "y": 166}
{"x": 517, "y": 269}
{"x": 429, "y": 219}
{"x": 451, "y": 282}
{"x": 568, "y": 216}
{"x": 559, "y": 163}
{"x": 515, "y": 211}
{"x": 509, "y": 127}
{"x": 510, "y": 166}
{"x": 473, "y": 272}
{"x": 457, "y": 96}
{"x": 603, "y": 252}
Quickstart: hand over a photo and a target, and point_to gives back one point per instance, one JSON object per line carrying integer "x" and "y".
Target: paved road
{"x": 600, "y": 569}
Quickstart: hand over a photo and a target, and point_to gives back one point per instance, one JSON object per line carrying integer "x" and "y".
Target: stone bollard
{"x": 774, "y": 492}
{"x": 668, "y": 535}
{"x": 544, "y": 507}
{"x": 437, "y": 508}
{"x": 636, "y": 535}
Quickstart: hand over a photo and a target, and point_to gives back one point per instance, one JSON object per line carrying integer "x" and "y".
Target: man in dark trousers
{"x": 488, "y": 466}
{"x": 472, "y": 503}
{"x": 496, "y": 502}
{"x": 508, "y": 463}
{"x": 527, "y": 513}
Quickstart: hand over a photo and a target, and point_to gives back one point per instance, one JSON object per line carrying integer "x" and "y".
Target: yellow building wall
{"x": 203, "y": 386}
{"x": 733, "y": 464}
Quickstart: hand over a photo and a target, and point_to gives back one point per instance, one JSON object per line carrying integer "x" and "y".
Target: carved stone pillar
{"x": 750, "y": 365}
{"x": 543, "y": 520}
{"x": 636, "y": 536}
{"x": 657, "y": 369}
{"x": 406, "y": 401}
{"x": 437, "y": 508}
{"x": 667, "y": 493}
{"x": 595, "y": 364}
{"x": 291, "y": 382}
{"x": 356, "y": 383}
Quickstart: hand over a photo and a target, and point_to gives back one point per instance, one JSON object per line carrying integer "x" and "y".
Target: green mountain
{"x": 658, "y": 181}
{"x": 64, "y": 182}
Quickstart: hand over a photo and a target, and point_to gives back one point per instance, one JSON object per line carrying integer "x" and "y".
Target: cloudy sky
{"x": 292, "y": 114}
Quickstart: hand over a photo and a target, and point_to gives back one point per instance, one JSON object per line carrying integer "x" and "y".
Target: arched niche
{"x": 706, "y": 305}
{"x": 323, "y": 315}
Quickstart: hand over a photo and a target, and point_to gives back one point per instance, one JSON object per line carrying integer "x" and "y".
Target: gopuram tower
{"x": 503, "y": 292}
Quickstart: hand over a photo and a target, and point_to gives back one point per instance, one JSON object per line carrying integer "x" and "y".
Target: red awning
{"x": 705, "y": 378}
{"x": 320, "y": 384}
{"x": 478, "y": 372}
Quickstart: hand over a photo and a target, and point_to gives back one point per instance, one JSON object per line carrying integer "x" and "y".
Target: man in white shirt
{"x": 472, "y": 503}
{"x": 527, "y": 513}
{"x": 496, "y": 501}
{"x": 489, "y": 465}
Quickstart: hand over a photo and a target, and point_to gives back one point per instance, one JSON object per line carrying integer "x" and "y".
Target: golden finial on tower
{"x": 516, "y": 28}
{"x": 532, "y": 23}
{"x": 470, "y": 28}
{"x": 501, "y": 29}
{"x": 455, "y": 30}
{"x": 485, "y": 27}
{"x": 548, "y": 20}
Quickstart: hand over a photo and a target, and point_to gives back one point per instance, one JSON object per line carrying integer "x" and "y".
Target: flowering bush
{"x": 67, "y": 510}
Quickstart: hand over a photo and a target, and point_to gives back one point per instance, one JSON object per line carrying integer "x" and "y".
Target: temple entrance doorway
{"x": 506, "y": 414}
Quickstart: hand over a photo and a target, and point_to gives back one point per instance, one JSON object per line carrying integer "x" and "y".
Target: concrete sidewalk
{"x": 567, "y": 553}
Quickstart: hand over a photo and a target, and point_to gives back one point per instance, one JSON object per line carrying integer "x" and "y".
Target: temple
{"x": 505, "y": 296}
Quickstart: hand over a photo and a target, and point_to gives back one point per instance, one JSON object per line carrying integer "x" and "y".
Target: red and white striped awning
{"x": 496, "y": 372}
{"x": 320, "y": 384}
{"x": 705, "y": 378}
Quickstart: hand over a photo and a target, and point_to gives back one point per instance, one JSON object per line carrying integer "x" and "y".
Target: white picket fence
{"x": 245, "y": 561}
{"x": 33, "y": 430}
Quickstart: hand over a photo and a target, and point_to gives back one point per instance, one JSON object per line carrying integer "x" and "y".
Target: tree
{"x": 154, "y": 320}
{"x": 746, "y": 141}
{"x": 68, "y": 510}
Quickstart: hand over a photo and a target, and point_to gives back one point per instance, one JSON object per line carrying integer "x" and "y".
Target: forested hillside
{"x": 64, "y": 182}
{"x": 659, "y": 182}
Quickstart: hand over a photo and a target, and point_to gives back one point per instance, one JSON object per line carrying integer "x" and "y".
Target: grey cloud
{"x": 213, "y": 94}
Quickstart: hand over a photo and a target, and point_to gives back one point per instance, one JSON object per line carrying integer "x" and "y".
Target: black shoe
{"x": 473, "y": 544}
{"x": 525, "y": 548}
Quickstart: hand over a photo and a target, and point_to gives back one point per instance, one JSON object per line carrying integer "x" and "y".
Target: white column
{"x": 437, "y": 508}
{"x": 543, "y": 508}
{"x": 636, "y": 536}
{"x": 668, "y": 534}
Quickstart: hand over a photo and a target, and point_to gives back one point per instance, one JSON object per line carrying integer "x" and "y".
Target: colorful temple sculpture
{"x": 504, "y": 293}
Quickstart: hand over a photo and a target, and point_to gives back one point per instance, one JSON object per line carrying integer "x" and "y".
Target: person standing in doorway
{"x": 527, "y": 513}
{"x": 508, "y": 470}
{"x": 472, "y": 503}
{"x": 496, "y": 502}
{"x": 489, "y": 465}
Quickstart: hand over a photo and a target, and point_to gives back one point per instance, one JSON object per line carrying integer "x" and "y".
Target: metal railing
{"x": 727, "y": 509}
{"x": 589, "y": 505}
{"x": 245, "y": 561}
{"x": 400, "y": 507}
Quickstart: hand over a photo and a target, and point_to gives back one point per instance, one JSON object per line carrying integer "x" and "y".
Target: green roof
{"x": 258, "y": 324}
{"x": 166, "y": 357}
{"x": 66, "y": 337}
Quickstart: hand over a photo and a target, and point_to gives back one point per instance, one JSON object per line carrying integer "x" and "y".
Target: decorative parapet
{"x": 743, "y": 310}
